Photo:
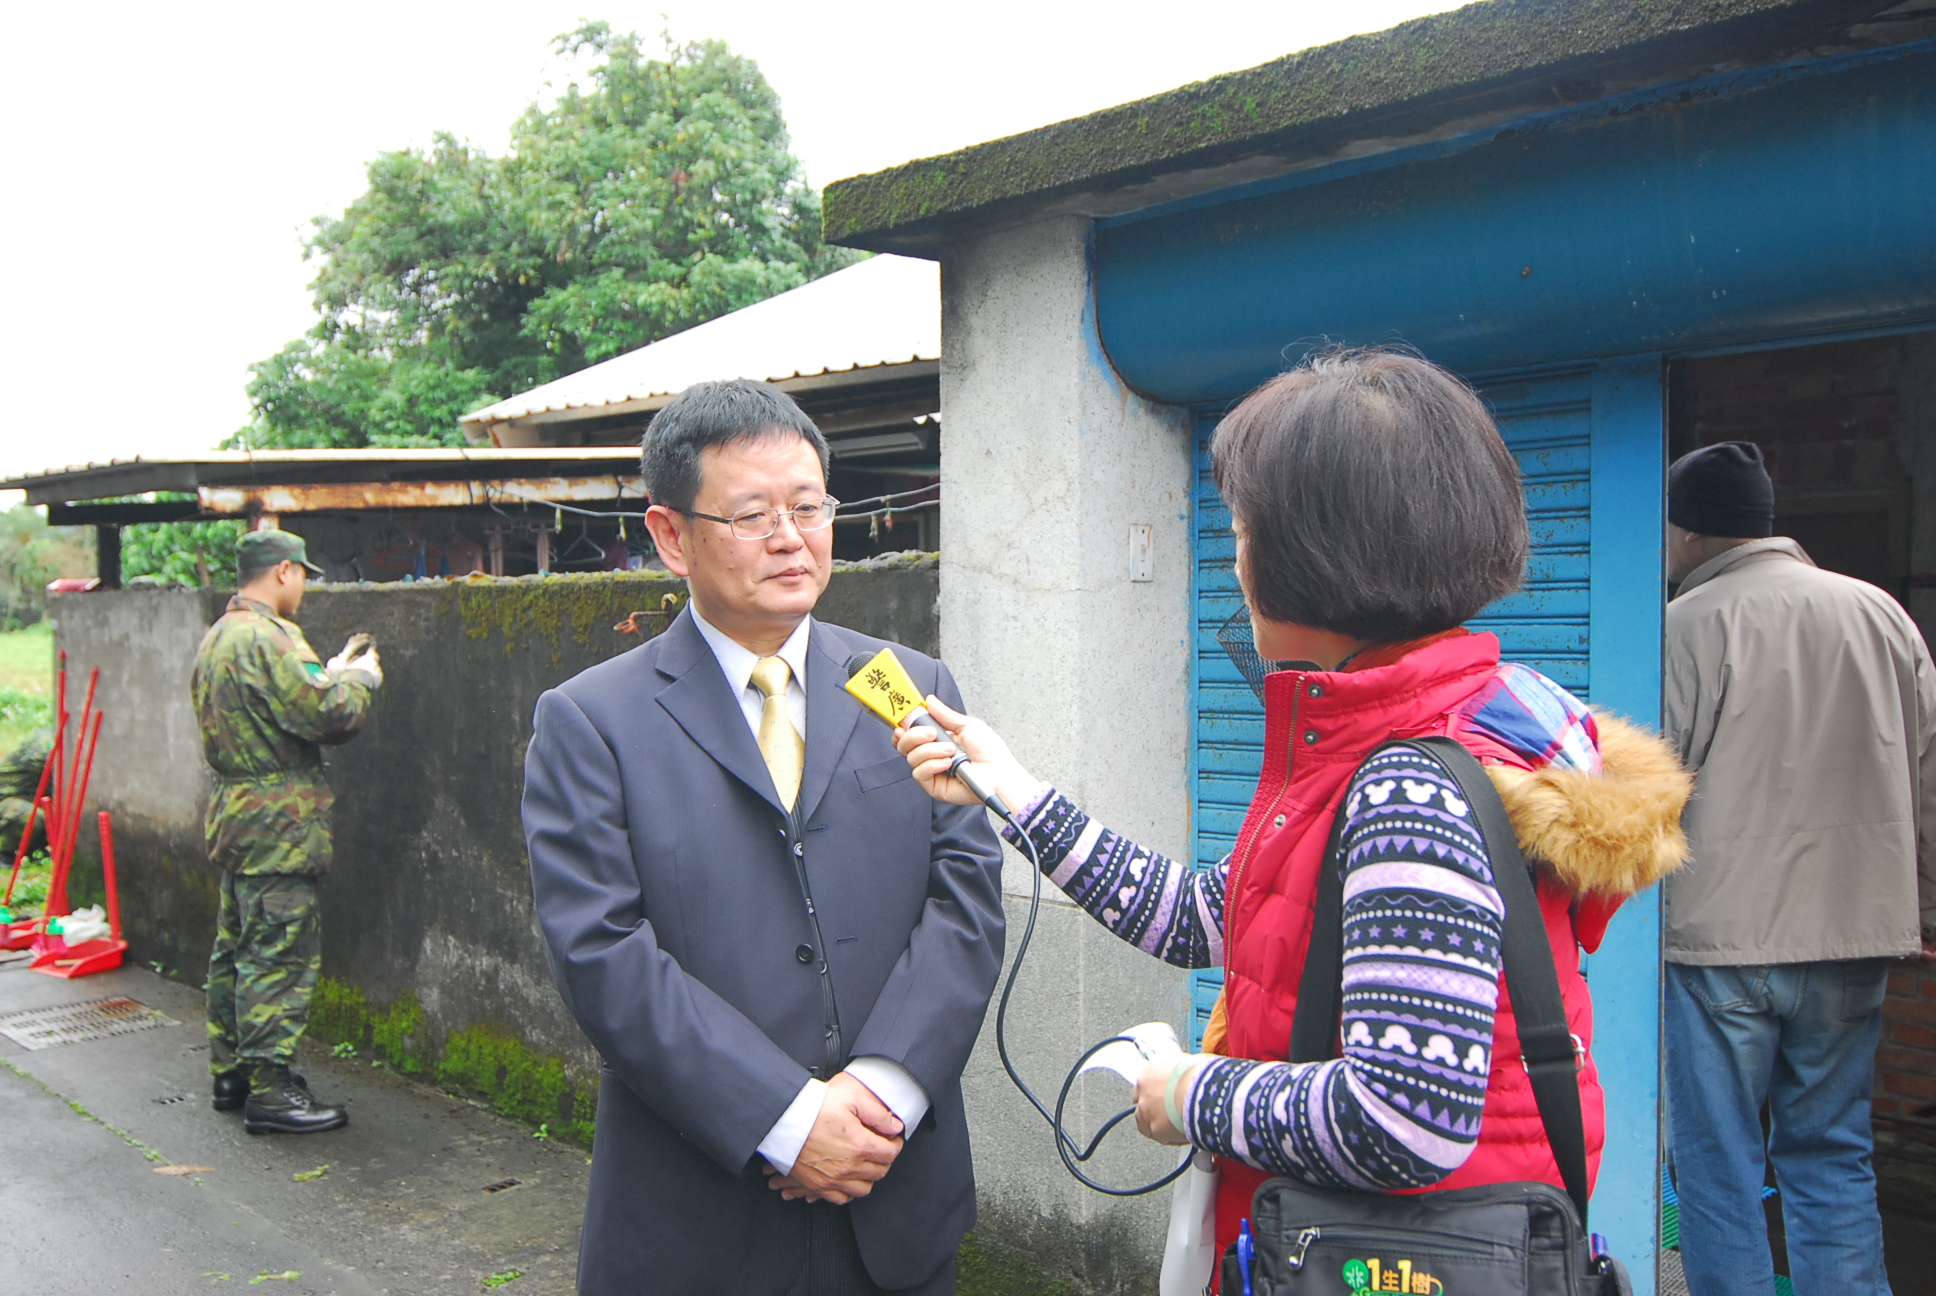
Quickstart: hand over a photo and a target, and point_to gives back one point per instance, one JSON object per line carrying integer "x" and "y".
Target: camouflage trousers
{"x": 262, "y": 972}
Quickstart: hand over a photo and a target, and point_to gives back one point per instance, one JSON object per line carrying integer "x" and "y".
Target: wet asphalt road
{"x": 402, "y": 1208}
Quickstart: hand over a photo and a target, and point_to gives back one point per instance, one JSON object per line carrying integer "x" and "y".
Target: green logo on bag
{"x": 1390, "y": 1276}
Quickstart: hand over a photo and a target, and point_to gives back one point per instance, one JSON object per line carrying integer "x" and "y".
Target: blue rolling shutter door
{"x": 1547, "y": 422}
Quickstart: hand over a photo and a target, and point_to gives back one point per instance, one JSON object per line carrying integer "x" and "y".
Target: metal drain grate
{"x": 72, "y": 1023}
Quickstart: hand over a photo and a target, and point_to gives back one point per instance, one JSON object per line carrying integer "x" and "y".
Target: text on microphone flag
{"x": 883, "y": 687}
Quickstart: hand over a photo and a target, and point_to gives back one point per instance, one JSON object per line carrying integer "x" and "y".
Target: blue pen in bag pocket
{"x": 1246, "y": 1251}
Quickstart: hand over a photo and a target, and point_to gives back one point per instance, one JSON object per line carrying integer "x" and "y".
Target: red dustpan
{"x": 58, "y": 958}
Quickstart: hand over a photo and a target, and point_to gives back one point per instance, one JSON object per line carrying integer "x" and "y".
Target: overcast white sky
{"x": 163, "y": 160}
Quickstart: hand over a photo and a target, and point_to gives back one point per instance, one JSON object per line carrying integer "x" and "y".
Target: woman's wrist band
{"x": 1170, "y": 1109}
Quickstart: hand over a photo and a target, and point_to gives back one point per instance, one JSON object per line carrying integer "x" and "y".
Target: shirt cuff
{"x": 1025, "y": 815}
{"x": 782, "y": 1144}
{"x": 892, "y": 1083}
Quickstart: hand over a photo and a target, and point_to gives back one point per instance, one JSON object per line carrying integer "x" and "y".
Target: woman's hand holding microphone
{"x": 987, "y": 754}
{"x": 1166, "y": 1083}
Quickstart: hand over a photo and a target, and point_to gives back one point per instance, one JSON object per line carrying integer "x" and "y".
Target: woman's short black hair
{"x": 714, "y": 414}
{"x": 1375, "y": 495}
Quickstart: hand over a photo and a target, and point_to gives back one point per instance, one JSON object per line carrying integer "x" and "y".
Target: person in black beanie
{"x": 1722, "y": 490}
{"x": 1805, "y": 704}
{"x": 1718, "y": 497}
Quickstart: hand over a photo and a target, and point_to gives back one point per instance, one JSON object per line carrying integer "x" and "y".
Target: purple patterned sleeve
{"x": 1157, "y": 904}
{"x": 1422, "y": 926}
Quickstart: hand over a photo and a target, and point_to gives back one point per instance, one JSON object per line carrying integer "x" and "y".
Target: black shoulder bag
{"x": 1509, "y": 1239}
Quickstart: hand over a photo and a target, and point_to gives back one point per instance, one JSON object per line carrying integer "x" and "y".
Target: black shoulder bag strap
{"x": 1546, "y": 1045}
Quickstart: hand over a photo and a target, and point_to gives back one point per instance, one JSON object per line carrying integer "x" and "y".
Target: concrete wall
{"x": 430, "y": 900}
{"x": 1049, "y": 460}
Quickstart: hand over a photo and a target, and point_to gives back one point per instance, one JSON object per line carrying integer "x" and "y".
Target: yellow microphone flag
{"x": 883, "y": 687}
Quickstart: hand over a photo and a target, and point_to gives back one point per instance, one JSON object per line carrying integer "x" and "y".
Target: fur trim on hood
{"x": 1607, "y": 834}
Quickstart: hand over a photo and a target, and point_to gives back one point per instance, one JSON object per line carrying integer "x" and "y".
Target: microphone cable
{"x": 1072, "y": 1155}
{"x": 880, "y": 683}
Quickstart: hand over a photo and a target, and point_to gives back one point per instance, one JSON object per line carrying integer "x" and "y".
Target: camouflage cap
{"x": 259, "y": 549}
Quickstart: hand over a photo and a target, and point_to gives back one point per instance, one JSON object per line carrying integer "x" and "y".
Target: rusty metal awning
{"x": 238, "y": 482}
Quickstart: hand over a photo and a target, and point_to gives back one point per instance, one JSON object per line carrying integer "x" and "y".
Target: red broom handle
{"x": 66, "y": 863}
{"x": 77, "y": 782}
{"x": 59, "y": 753}
{"x": 80, "y": 789}
{"x": 107, "y": 876}
{"x": 20, "y": 856}
{"x": 70, "y": 821}
{"x": 65, "y": 809}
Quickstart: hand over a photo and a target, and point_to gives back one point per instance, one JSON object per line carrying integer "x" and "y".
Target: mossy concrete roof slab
{"x": 1490, "y": 62}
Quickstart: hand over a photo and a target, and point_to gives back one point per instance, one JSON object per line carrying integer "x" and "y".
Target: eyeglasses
{"x": 759, "y": 523}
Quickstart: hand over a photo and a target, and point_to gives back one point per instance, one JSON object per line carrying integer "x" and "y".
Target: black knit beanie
{"x": 1722, "y": 490}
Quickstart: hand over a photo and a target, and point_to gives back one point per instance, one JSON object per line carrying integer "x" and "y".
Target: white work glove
{"x": 370, "y": 666}
{"x": 359, "y": 653}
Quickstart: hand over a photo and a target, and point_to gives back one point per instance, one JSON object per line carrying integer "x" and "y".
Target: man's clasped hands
{"x": 854, "y": 1141}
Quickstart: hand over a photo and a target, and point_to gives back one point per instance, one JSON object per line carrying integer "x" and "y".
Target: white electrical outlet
{"x": 1142, "y": 551}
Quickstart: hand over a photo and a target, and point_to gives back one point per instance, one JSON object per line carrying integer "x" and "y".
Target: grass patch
{"x": 27, "y": 658}
{"x": 26, "y": 683}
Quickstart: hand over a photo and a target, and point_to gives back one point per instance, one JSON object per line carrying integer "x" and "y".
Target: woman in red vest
{"x": 1375, "y": 509}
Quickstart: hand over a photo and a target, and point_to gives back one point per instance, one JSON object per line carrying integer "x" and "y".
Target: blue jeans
{"x": 1801, "y": 1037}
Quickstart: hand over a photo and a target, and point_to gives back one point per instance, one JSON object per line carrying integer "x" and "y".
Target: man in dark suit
{"x": 781, "y": 946}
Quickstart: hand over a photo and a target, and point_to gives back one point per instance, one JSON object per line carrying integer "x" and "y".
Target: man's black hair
{"x": 1376, "y": 497}
{"x": 248, "y": 575}
{"x": 715, "y": 414}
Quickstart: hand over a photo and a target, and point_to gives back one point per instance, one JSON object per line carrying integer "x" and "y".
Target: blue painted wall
{"x": 1761, "y": 207}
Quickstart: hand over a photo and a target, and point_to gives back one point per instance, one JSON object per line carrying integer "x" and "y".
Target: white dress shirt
{"x": 889, "y": 1080}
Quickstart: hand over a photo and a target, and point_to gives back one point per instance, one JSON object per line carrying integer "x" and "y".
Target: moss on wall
{"x": 546, "y": 609}
{"x": 485, "y": 1062}
{"x": 489, "y": 1063}
{"x": 1446, "y": 54}
{"x": 340, "y": 1014}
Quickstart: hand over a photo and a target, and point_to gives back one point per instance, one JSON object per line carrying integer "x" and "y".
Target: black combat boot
{"x": 280, "y": 1103}
{"x": 232, "y": 1088}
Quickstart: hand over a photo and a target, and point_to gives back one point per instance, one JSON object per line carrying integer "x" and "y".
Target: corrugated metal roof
{"x": 884, "y": 311}
{"x": 264, "y": 467}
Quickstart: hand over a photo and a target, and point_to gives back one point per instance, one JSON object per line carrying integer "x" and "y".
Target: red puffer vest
{"x": 1319, "y": 726}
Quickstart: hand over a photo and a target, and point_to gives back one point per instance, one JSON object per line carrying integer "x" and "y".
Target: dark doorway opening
{"x": 1849, "y": 432}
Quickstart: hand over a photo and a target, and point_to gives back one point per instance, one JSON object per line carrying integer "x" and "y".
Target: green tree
{"x": 186, "y": 553}
{"x": 659, "y": 197}
{"x": 33, "y": 553}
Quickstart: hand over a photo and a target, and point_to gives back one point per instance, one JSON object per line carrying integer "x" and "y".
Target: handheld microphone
{"x": 881, "y": 684}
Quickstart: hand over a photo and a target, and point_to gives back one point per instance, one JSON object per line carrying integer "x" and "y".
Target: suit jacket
{"x": 672, "y": 889}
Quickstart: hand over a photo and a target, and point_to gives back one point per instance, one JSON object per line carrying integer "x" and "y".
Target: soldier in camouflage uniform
{"x": 19, "y": 778}
{"x": 267, "y": 706}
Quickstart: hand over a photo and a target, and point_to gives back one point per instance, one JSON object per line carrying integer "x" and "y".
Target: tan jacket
{"x": 1805, "y": 703}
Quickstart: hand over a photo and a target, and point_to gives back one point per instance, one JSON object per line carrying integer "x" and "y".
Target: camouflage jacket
{"x": 267, "y": 705}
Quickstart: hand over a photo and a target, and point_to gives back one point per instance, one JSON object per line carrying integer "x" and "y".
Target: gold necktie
{"x": 780, "y": 743}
